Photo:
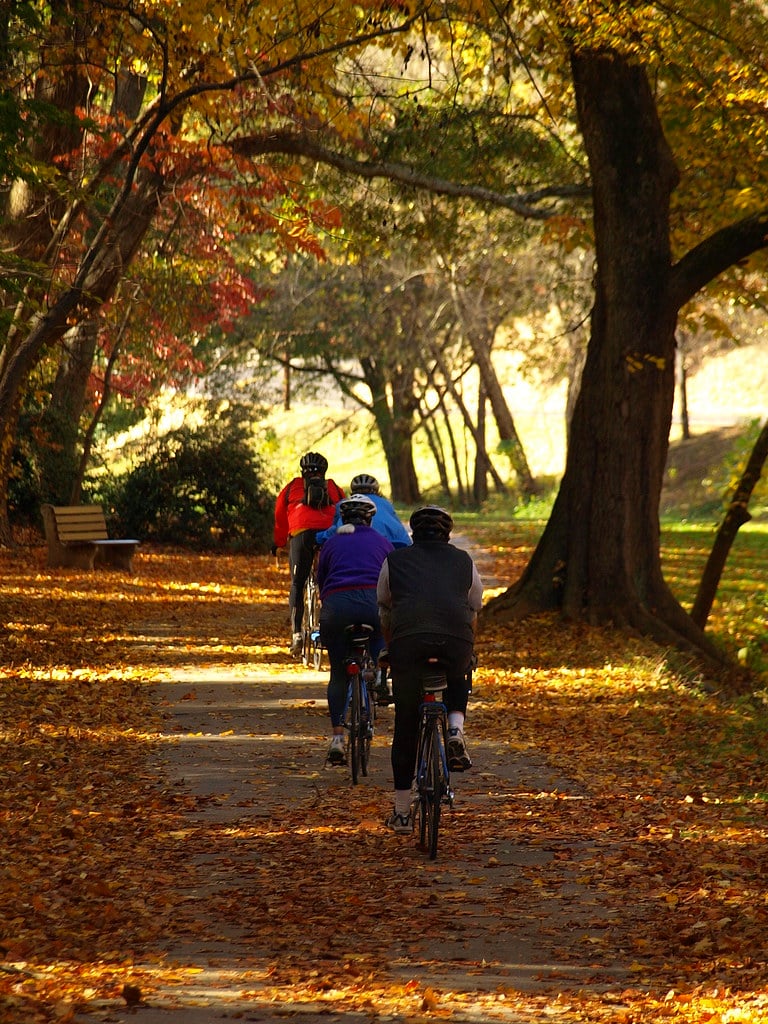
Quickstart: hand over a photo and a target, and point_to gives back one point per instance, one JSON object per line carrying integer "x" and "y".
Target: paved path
{"x": 247, "y": 750}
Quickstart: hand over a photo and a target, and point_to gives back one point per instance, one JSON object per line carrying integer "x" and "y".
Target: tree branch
{"x": 298, "y": 144}
{"x": 723, "y": 249}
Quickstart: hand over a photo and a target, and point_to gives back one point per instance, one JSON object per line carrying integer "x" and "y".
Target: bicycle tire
{"x": 423, "y": 760}
{"x": 435, "y": 775}
{"x": 355, "y": 721}
{"x": 312, "y": 653}
{"x": 306, "y": 624}
{"x": 367, "y": 717}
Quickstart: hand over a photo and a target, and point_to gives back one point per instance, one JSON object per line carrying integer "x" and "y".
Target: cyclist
{"x": 385, "y": 521}
{"x": 429, "y": 595}
{"x": 304, "y": 506}
{"x": 347, "y": 572}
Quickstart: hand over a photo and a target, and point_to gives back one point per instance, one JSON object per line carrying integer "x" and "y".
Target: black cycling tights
{"x": 406, "y": 655}
{"x": 301, "y": 553}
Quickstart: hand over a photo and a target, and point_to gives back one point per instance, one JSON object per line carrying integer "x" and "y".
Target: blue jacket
{"x": 351, "y": 561}
{"x": 384, "y": 522}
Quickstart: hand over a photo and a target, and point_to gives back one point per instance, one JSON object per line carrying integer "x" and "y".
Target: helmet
{"x": 364, "y": 483}
{"x": 431, "y": 522}
{"x": 313, "y": 464}
{"x": 357, "y": 509}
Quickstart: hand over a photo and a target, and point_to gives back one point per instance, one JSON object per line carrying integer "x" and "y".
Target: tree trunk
{"x": 60, "y": 421}
{"x": 478, "y": 435}
{"x": 599, "y": 556}
{"x": 735, "y": 518}
{"x": 509, "y": 439}
{"x": 112, "y": 250}
{"x": 394, "y": 422}
{"x": 482, "y": 461}
{"x": 685, "y": 423}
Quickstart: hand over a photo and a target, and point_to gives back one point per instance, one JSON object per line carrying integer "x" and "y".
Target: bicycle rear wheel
{"x": 431, "y": 789}
{"x": 367, "y": 713}
{"x": 311, "y": 648}
{"x": 435, "y": 777}
{"x": 355, "y": 728}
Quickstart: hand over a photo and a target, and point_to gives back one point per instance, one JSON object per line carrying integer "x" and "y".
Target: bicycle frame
{"x": 311, "y": 651}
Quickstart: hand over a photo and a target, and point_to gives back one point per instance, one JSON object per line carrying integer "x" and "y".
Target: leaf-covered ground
{"x": 664, "y": 821}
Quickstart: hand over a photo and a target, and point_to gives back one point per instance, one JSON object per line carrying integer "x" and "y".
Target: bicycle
{"x": 432, "y": 775}
{"x": 311, "y": 648}
{"x": 360, "y": 708}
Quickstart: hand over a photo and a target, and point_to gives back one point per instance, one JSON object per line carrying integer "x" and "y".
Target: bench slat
{"x": 80, "y": 523}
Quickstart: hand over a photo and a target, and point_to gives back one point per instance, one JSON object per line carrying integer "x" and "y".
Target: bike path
{"x": 246, "y": 753}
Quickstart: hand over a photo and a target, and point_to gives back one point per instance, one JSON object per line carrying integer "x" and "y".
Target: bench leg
{"x": 115, "y": 557}
{"x": 78, "y": 556}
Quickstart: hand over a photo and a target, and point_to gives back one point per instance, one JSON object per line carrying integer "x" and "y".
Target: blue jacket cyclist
{"x": 347, "y": 573}
{"x": 385, "y": 520}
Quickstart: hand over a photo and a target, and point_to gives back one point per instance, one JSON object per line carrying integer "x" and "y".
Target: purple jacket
{"x": 351, "y": 561}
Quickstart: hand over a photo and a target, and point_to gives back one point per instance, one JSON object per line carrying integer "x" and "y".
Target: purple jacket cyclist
{"x": 347, "y": 573}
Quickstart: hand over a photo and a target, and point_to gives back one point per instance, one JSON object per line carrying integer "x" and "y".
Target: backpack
{"x": 316, "y": 492}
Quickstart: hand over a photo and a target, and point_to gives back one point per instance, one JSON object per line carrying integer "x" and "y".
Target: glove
{"x": 273, "y": 549}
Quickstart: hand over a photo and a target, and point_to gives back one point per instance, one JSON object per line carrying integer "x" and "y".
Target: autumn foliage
{"x": 653, "y": 826}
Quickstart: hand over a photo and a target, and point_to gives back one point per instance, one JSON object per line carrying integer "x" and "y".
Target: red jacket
{"x": 292, "y": 515}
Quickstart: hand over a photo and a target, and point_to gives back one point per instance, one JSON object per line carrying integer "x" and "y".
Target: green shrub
{"x": 203, "y": 488}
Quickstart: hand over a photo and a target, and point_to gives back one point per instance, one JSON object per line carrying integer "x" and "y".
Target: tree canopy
{"x": 127, "y": 115}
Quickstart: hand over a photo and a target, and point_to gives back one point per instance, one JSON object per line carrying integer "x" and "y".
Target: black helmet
{"x": 431, "y": 523}
{"x": 313, "y": 464}
{"x": 364, "y": 483}
{"x": 357, "y": 509}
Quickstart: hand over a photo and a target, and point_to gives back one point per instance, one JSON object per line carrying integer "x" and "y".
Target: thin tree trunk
{"x": 477, "y": 437}
{"x": 60, "y": 420}
{"x": 482, "y": 460}
{"x": 682, "y": 391}
{"x": 735, "y": 518}
{"x": 509, "y": 439}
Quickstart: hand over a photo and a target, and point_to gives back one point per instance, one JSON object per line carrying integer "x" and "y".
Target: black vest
{"x": 430, "y": 582}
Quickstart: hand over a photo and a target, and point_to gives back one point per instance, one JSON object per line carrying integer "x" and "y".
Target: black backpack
{"x": 316, "y": 492}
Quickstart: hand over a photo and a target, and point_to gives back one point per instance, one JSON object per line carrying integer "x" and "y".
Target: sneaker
{"x": 297, "y": 644}
{"x": 402, "y": 824}
{"x": 458, "y": 758}
{"x": 382, "y": 695}
{"x": 336, "y": 752}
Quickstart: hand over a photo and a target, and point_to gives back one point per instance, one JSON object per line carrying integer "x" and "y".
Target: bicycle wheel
{"x": 311, "y": 648}
{"x": 431, "y": 789}
{"x": 306, "y": 624}
{"x": 422, "y": 778}
{"x": 439, "y": 787}
{"x": 367, "y": 716}
{"x": 354, "y": 724}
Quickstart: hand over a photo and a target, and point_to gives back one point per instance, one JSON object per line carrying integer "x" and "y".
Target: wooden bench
{"x": 77, "y": 539}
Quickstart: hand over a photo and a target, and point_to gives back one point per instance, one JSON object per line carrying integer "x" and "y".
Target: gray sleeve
{"x": 384, "y": 595}
{"x": 476, "y": 591}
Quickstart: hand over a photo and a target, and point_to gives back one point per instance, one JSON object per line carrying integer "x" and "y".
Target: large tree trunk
{"x": 599, "y": 556}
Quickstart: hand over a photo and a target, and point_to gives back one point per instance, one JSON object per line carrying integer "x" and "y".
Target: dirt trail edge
{"x": 244, "y": 748}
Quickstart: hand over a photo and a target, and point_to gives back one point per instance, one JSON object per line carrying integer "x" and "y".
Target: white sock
{"x": 456, "y": 720}
{"x": 402, "y": 801}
